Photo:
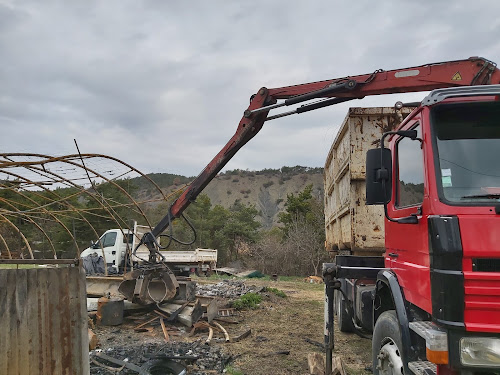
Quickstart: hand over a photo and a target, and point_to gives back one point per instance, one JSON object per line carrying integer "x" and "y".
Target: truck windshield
{"x": 468, "y": 145}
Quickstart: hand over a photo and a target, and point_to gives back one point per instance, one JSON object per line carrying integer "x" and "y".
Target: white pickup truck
{"x": 116, "y": 242}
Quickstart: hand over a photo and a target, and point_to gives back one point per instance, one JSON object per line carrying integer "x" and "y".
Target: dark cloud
{"x": 163, "y": 85}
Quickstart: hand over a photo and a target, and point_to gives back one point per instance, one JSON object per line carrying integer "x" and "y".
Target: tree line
{"x": 67, "y": 219}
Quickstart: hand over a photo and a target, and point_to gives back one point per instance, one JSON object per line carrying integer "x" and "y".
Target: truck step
{"x": 423, "y": 368}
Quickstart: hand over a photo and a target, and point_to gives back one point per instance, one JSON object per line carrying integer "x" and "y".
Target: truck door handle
{"x": 393, "y": 255}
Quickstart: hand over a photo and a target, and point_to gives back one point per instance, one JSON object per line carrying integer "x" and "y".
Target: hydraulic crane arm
{"x": 472, "y": 71}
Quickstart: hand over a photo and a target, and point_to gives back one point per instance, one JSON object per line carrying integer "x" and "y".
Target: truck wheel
{"x": 344, "y": 320}
{"x": 386, "y": 344}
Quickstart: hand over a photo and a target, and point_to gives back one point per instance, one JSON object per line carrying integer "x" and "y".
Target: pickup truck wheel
{"x": 386, "y": 344}
{"x": 344, "y": 320}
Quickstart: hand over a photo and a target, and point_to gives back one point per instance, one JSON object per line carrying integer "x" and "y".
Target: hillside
{"x": 266, "y": 189}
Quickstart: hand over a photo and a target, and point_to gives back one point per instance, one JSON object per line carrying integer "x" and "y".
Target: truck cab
{"x": 434, "y": 302}
{"x": 447, "y": 261}
{"x": 116, "y": 243}
{"x": 112, "y": 246}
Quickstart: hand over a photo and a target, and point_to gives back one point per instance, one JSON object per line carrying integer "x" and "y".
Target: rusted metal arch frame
{"x": 78, "y": 157}
{"x": 49, "y": 159}
{"x": 56, "y": 219}
{"x": 27, "y": 217}
{"x": 63, "y": 160}
{"x": 33, "y": 209}
{"x": 89, "y": 210}
{"x": 107, "y": 207}
{"x": 69, "y": 183}
{"x": 6, "y": 246}
{"x": 40, "y": 170}
{"x": 94, "y": 196}
{"x": 87, "y": 156}
{"x": 47, "y": 211}
{"x": 20, "y": 234}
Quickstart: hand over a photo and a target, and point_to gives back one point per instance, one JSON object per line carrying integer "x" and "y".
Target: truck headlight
{"x": 480, "y": 351}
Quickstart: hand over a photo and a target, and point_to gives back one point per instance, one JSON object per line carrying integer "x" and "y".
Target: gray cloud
{"x": 163, "y": 85}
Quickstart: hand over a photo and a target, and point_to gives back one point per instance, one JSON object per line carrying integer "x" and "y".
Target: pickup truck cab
{"x": 116, "y": 243}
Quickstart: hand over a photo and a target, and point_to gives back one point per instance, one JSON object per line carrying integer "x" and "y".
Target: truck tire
{"x": 344, "y": 319}
{"x": 386, "y": 344}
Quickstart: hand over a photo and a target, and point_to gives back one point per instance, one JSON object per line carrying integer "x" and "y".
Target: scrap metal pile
{"x": 196, "y": 357}
{"x": 227, "y": 289}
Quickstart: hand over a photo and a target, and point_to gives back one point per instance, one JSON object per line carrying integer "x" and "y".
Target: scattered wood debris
{"x": 93, "y": 340}
{"x": 244, "y": 335}
{"x": 316, "y": 363}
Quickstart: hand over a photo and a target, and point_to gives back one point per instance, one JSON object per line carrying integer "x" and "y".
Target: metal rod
{"x": 329, "y": 329}
{"x": 284, "y": 114}
{"x": 348, "y": 85}
{"x": 38, "y": 261}
{"x": 310, "y": 107}
{"x": 263, "y": 109}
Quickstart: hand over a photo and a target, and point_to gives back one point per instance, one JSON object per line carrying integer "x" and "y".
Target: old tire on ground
{"x": 344, "y": 320}
{"x": 386, "y": 345}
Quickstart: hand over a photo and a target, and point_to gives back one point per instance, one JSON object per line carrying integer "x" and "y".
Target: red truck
{"x": 433, "y": 298}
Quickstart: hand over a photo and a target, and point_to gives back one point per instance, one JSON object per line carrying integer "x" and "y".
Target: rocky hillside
{"x": 266, "y": 190}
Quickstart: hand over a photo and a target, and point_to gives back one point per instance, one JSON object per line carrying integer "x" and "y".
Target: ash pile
{"x": 194, "y": 357}
{"x": 227, "y": 289}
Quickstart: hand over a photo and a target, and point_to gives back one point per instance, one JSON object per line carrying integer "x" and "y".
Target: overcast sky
{"x": 162, "y": 85}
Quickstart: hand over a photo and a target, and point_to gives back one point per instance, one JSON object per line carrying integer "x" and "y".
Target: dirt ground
{"x": 283, "y": 324}
{"x": 278, "y": 325}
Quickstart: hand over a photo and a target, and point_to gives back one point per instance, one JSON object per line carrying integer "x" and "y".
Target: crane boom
{"x": 468, "y": 72}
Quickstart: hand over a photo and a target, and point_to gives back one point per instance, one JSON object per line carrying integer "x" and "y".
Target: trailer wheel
{"x": 344, "y": 320}
{"x": 386, "y": 344}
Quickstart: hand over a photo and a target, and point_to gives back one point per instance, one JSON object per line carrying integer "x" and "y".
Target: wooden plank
{"x": 41, "y": 320}
{"x": 4, "y": 323}
{"x": 33, "y": 319}
{"x": 164, "y": 329}
{"x": 23, "y": 330}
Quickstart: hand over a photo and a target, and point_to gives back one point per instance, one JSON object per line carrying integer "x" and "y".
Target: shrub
{"x": 278, "y": 292}
{"x": 247, "y": 301}
{"x": 267, "y": 184}
{"x": 230, "y": 370}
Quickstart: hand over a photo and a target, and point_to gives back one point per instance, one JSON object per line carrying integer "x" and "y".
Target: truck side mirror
{"x": 378, "y": 176}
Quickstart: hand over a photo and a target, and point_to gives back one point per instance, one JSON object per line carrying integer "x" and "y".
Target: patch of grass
{"x": 232, "y": 371}
{"x": 278, "y": 292}
{"x": 315, "y": 303}
{"x": 290, "y": 278}
{"x": 247, "y": 301}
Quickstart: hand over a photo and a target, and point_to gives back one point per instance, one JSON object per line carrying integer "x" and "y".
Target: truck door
{"x": 110, "y": 247}
{"x": 407, "y": 244}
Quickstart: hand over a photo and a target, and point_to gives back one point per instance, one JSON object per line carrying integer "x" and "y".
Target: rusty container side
{"x": 43, "y": 321}
{"x": 352, "y": 227}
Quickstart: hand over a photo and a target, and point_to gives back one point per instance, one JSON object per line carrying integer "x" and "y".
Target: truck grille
{"x": 486, "y": 265}
{"x": 482, "y": 297}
